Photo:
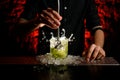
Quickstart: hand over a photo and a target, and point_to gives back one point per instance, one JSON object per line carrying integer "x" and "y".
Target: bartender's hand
{"x": 50, "y": 18}
{"x": 94, "y": 52}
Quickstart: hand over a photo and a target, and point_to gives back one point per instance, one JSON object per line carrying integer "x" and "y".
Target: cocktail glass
{"x": 60, "y": 52}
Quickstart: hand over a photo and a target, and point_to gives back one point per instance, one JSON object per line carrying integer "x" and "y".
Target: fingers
{"x": 52, "y": 15}
{"x": 51, "y": 18}
{"x": 99, "y": 56}
{"x": 102, "y": 54}
{"x": 90, "y": 51}
{"x": 94, "y": 52}
{"x": 55, "y": 13}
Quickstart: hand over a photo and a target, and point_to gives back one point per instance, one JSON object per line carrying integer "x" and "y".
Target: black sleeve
{"x": 30, "y": 9}
{"x": 92, "y": 18}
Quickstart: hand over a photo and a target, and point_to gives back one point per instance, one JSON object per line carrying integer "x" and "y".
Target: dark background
{"x": 10, "y": 11}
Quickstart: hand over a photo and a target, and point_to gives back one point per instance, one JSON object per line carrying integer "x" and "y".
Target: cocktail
{"x": 61, "y": 51}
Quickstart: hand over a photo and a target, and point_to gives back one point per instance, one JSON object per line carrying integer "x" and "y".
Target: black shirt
{"x": 74, "y": 12}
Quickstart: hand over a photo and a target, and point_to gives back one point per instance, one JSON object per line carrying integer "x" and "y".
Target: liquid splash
{"x": 58, "y": 50}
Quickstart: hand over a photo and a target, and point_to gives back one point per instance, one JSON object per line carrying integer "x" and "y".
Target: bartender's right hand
{"x": 50, "y": 18}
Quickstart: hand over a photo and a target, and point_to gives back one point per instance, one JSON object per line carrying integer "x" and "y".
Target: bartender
{"x": 44, "y": 16}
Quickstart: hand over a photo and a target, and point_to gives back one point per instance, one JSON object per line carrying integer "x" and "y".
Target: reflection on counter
{"x": 28, "y": 68}
{"x": 63, "y": 72}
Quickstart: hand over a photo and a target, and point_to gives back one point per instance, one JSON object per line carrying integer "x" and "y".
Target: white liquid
{"x": 60, "y": 52}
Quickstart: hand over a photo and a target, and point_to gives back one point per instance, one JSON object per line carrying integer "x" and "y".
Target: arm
{"x": 95, "y": 51}
{"x": 99, "y": 38}
{"x": 48, "y": 17}
{"x": 34, "y": 16}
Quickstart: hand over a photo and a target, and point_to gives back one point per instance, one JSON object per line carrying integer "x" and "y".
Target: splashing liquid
{"x": 62, "y": 51}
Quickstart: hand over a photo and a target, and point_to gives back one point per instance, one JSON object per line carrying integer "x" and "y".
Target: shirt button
{"x": 65, "y": 7}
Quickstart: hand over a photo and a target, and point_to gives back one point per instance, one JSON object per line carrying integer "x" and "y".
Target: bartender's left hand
{"x": 94, "y": 52}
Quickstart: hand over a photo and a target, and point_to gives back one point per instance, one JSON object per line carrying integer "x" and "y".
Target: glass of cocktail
{"x": 62, "y": 50}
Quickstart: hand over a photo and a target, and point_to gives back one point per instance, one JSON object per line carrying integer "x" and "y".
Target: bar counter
{"x": 27, "y": 67}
